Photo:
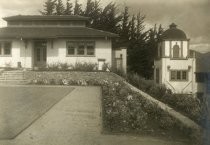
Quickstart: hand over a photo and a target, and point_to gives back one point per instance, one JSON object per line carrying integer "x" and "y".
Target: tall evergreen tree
{"x": 124, "y": 34}
{"x": 59, "y": 8}
{"x": 92, "y": 11}
{"x": 132, "y": 33}
{"x": 77, "y": 8}
{"x": 110, "y": 18}
{"x": 141, "y": 44}
{"x": 140, "y": 25}
{"x": 69, "y": 6}
{"x": 49, "y": 7}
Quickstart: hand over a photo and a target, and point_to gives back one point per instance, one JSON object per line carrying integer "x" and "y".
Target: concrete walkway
{"x": 76, "y": 120}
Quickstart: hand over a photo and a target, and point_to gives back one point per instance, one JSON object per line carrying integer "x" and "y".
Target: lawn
{"x": 20, "y": 106}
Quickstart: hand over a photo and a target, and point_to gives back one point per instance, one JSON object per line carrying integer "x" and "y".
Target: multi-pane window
{"x": 5, "y": 48}
{"x": 71, "y": 48}
{"x": 178, "y": 75}
{"x": 90, "y": 48}
{"x": 81, "y": 48}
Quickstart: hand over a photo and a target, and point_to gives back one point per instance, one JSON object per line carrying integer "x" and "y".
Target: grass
{"x": 23, "y": 105}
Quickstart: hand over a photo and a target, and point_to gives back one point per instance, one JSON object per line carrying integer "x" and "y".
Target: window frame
{"x": 77, "y": 43}
{"x": 3, "y": 48}
{"x": 176, "y": 51}
{"x": 180, "y": 72}
{"x": 67, "y": 48}
{"x": 93, "y": 44}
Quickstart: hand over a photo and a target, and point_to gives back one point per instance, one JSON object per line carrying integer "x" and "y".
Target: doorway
{"x": 40, "y": 53}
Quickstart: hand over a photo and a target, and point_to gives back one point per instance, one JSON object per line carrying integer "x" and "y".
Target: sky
{"x": 192, "y": 16}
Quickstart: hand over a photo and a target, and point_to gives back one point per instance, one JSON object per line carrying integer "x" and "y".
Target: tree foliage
{"x": 49, "y": 7}
{"x": 78, "y": 8}
{"x": 68, "y": 10}
{"x": 141, "y": 43}
{"x": 59, "y": 8}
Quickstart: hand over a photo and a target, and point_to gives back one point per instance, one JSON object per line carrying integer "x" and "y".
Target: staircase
{"x": 15, "y": 77}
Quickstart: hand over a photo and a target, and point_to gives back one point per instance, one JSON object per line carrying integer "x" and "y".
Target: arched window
{"x": 176, "y": 51}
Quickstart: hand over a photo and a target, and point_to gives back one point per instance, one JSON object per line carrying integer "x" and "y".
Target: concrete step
{"x": 14, "y": 82}
{"x": 12, "y": 72}
{"x": 12, "y": 79}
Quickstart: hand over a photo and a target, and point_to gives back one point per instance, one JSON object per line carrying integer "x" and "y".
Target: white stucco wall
{"x": 167, "y": 48}
{"x": 182, "y": 45}
{"x": 158, "y": 65}
{"x": 185, "y": 49}
{"x": 179, "y": 86}
{"x": 121, "y": 53}
{"x": 18, "y": 54}
{"x": 57, "y": 54}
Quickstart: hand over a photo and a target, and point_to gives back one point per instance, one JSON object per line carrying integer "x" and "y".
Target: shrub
{"x": 186, "y": 104}
{"x": 53, "y": 67}
{"x": 84, "y": 66}
{"x": 64, "y": 66}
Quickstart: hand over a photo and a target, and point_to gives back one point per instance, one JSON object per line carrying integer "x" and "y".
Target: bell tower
{"x": 174, "y": 67}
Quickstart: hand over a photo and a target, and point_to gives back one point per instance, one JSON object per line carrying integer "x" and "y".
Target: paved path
{"x": 76, "y": 120}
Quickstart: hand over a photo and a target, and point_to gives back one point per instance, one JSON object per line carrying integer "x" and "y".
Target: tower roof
{"x": 173, "y": 33}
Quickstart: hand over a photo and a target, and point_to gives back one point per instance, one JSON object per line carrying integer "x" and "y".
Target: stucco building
{"x": 175, "y": 64}
{"x": 178, "y": 67}
{"x": 37, "y": 41}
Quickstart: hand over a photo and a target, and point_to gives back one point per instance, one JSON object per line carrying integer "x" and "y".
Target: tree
{"x": 140, "y": 27}
{"x": 132, "y": 31}
{"x": 110, "y": 19}
{"x": 69, "y": 6}
{"x": 125, "y": 27}
{"x": 93, "y": 11}
{"x": 141, "y": 44}
{"x": 59, "y": 8}
{"x": 77, "y": 8}
{"x": 49, "y": 7}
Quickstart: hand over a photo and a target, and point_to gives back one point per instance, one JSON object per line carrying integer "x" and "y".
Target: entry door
{"x": 40, "y": 53}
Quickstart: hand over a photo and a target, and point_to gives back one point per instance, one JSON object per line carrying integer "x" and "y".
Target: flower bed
{"x": 123, "y": 109}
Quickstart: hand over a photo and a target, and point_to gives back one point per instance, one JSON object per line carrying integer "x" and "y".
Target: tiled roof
{"x": 52, "y": 32}
{"x": 174, "y": 34}
{"x": 45, "y": 17}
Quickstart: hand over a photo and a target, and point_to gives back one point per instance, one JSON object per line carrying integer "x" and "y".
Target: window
{"x": 71, "y": 48}
{"x": 81, "y": 48}
{"x": 5, "y": 48}
{"x": 178, "y": 75}
{"x": 176, "y": 50}
{"x": 90, "y": 48}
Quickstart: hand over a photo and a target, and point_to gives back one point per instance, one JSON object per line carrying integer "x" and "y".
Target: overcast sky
{"x": 192, "y": 16}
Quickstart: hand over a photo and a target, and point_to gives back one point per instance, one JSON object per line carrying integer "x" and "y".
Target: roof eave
{"x": 174, "y": 39}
